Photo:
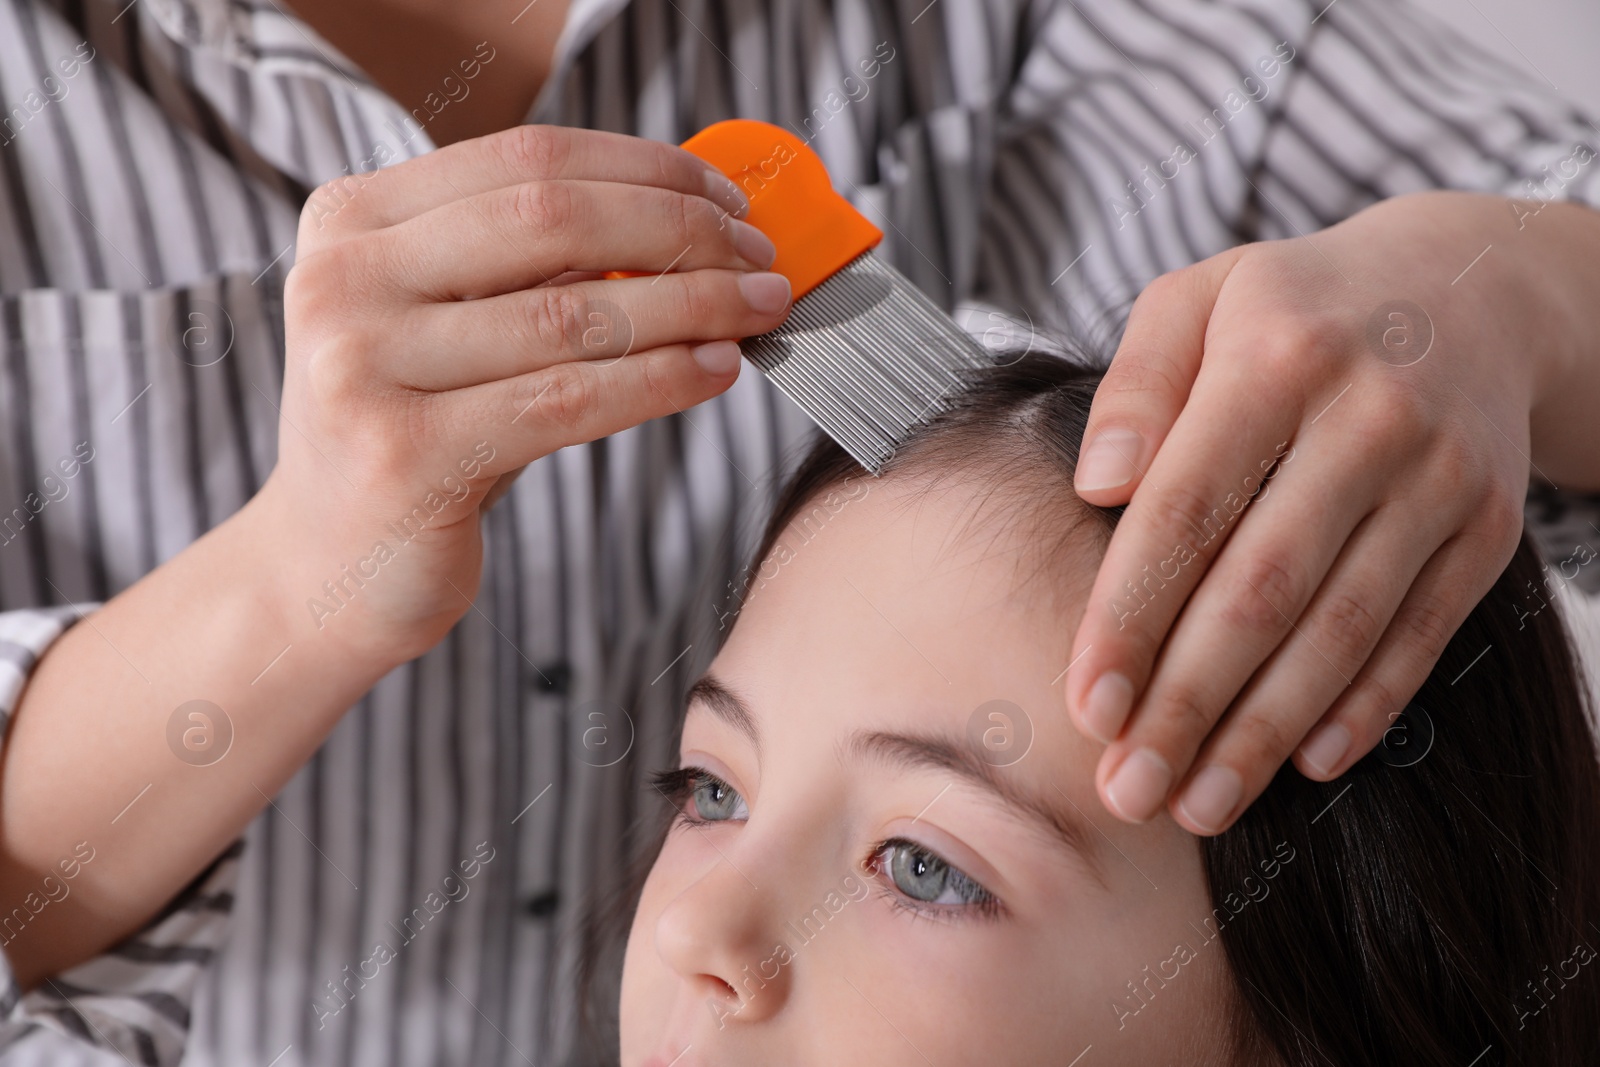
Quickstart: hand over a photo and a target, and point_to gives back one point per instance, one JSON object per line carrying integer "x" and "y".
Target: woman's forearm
{"x": 95, "y": 763}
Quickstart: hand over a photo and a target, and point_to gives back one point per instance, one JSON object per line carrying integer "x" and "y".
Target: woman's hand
{"x": 1371, "y": 386}
{"x": 445, "y": 328}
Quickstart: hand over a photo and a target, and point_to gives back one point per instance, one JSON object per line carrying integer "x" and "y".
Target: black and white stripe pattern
{"x": 148, "y": 204}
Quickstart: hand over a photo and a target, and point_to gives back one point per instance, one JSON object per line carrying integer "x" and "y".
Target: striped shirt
{"x": 1043, "y": 158}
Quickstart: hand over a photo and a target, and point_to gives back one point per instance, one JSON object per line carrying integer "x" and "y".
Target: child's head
{"x": 891, "y": 850}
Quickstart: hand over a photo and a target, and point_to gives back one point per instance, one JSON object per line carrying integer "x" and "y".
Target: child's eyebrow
{"x": 942, "y": 753}
{"x": 927, "y": 751}
{"x": 726, "y": 705}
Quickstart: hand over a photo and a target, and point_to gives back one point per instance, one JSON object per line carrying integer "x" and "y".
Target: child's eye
{"x": 925, "y": 877}
{"x": 716, "y": 800}
{"x": 700, "y": 796}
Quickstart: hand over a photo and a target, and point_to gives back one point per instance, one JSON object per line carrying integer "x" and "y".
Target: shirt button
{"x": 542, "y": 905}
{"x": 554, "y": 679}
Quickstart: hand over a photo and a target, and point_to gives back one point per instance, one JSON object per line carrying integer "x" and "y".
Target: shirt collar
{"x": 250, "y": 32}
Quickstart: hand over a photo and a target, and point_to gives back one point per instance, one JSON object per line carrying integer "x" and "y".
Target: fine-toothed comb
{"x": 863, "y": 351}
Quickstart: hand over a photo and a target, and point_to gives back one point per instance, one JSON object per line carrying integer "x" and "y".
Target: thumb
{"x": 1149, "y": 380}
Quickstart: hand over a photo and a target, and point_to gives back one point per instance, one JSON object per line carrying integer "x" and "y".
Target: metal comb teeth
{"x": 868, "y": 357}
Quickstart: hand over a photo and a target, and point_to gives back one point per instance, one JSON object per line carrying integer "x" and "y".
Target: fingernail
{"x": 1211, "y": 797}
{"x": 1110, "y": 459}
{"x": 1140, "y": 785}
{"x": 718, "y": 357}
{"x": 1106, "y": 707}
{"x": 752, "y": 244}
{"x": 766, "y": 292}
{"x": 1326, "y": 747}
{"x": 722, "y": 192}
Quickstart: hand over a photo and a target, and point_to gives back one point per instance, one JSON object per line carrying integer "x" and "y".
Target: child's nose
{"x": 720, "y": 935}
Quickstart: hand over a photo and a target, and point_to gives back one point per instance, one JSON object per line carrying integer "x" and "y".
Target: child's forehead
{"x": 943, "y": 521}
{"x": 908, "y": 606}
{"x": 961, "y": 576}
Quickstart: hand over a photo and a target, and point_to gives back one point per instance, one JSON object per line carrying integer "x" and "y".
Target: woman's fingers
{"x": 1148, "y": 381}
{"x": 533, "y": 415}
{"x": 530, "y": 330}
{"x": 1332, "y": 641}
{"x": 1257, "y": 587}
{"x": 1434, "y": 607}
{"x": 358, "y": 203}
{"x": 1188, "y": 505}
{"x": 524, "y": 235}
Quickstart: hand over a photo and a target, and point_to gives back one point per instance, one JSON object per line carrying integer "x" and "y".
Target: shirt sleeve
{"x": 1388, "y": 99}
{"x": 134, "y": 999}
{"x": 1140, "y": 136}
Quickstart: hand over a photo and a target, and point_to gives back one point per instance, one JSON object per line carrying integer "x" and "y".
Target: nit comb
{"x": 863, "y": 352}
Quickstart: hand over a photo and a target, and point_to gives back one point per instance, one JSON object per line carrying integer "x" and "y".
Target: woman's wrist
{"x": 1556, "y": 256}
{"x": 311, "y": 592}
{"x": 1553, "y": 296}
{"x": 1518, "y": 283}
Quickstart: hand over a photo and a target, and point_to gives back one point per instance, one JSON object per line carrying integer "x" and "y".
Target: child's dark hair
{"x": 1438, "y": 910}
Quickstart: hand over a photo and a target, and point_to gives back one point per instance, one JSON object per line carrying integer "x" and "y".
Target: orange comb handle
{"x": 816, "y": 230}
